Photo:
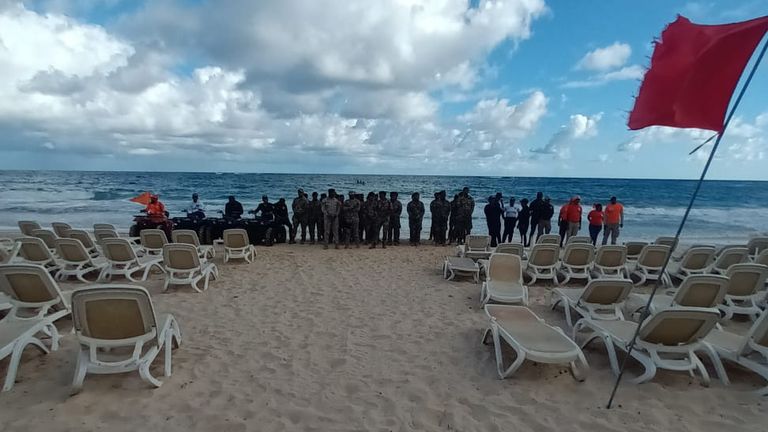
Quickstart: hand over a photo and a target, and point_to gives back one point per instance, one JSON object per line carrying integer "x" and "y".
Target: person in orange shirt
{"x": 614, "y": 219}
{"x": 595, "y": 218}
{"x": 562, "y": 222}
{"x": 156, "y": 213}
{"x": 573, "y": 215}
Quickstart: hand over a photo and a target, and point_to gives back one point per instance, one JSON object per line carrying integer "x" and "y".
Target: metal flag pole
{"x": 647, "y": 308}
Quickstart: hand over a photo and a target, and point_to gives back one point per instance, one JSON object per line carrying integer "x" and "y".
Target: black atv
{"x": 142, "y": 222}
{"x": 260, "y": 232}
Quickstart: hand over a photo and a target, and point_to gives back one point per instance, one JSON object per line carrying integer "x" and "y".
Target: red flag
{"x": 142, "y": 199}
{"x": 694, "y": 71}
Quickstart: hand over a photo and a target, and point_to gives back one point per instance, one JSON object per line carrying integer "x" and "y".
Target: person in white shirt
{"x": 196, "y": 209}
{"x": 510, "y": 220}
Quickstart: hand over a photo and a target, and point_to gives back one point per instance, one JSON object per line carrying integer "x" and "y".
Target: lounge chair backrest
{"x": 544, "y": 255}
{"x": 118, "y": 250}
{"x": 578, "y": 254}
{"x": 579, "y": 239}
{"x": 153, "y": 238}
{"x": 634, "y": 248}
{"x": 179, "y": 256}
{"x": 47, "y": 236}
{"x": 611, "y": 256}
{"x": 505, "y": 268}
{"x": 757, "y": 245}
{"x": 606, "y": 291}
{"x": 236, "y": 238}
{"x": 61, "y": 228}
{"x": 114, "y": 312}
{"x": 511, "y": 248}
{"x": 549, "y": 239}
{"x": 698, "y": 258}
{"x": 28, "y": 283}
{"x": 185, "y": 236}
{"x": 678, "y": 326}
{"x": 702, "y": 291}
{"x": 34, "y": 250}
{"x": 762, "y": 258}
{"x": 72, "y": 250}
{"x": 731, "y": 256}
{"x": 746, "y": 278}
{"x": 477, "y": 242}
{"x": 26, "y": 227}
{"x": 82, "y": 236}
{"x": 666, "y": 241}
{"x": 653, "y": 256}
{"x": 104, "y": 226}
{"x": 103, "y": 233}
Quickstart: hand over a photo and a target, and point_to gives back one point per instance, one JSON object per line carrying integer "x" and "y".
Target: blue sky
{"x": 520, "y": 87}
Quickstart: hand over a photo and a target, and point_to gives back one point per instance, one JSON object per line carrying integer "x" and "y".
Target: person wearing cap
{"x": 351, "y": 216}
{"x": 544, "y": 225}
{"x": 393, "y": 236}
{"x": 614, "y": 219}
{"x": 573, "y": 216}
{"x": 331, "y": 208}
{"x": 415, "y": 211}
{"x": 196, "y": 209}
{"x": 300, "y": 207}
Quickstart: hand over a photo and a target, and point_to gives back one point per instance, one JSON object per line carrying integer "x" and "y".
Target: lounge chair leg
{"x": 648, "y": 364}
{"x": 718, "y": 364}
{"x": 484, "y": 341}
{"x": 611, "y": 353}
{"x": 167, "y": 347}
{"x": 80, "y": 370}
{"x": 577, "y": 366}
{"x": 147, "y": 376}
{"x": 500, "y": 361}
{"x": 702, "y": 370}
{"x": 567, "y": 308}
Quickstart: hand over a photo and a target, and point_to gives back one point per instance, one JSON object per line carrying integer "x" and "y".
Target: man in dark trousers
{"x": 493, "y": 215}
{"x": 415, "y": 210}
{"x": 536, "y": 207}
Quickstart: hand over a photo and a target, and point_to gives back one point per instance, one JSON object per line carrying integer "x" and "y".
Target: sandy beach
{"x": 312, "y": 339}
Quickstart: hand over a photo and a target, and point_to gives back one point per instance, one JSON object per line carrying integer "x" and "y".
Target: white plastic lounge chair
{"x": 85, "y": 239}
{"x": 757, "y": 245}
{"x": 474, "y": 247}
{"x": 237, "y": 245}
{"x": 26, "y": 227}
{"x": 36, "y": 303}
{"x": 634, "y": 248}
{"x": 504, "y": 280}
{"x": 61, "y": 228}
{"x": 76, "y": 261}
{"x": 542, "y": 262}
{"x": 119, "y": 332}
{"x": 153, "y": 240}
{"x": 729, "y": 257}
{"x": 699, "y": 291}
{"x": 762, "y": 258}
{"x": 579, "y": 239}
{"x": 746, "y": 280}
{"x": 103, "y": 233}
{"x": 5, "y": 257}
{"x": 549, "y": 239}
{"x": 48, "y": 237}
{"x": 104, "y": 226}
{"x": 576, "y": 262}
{"x": 667, "y": 340}
{"x": 749, "y": 350}
{"x": 610, "y": 262}
{"x": 648, "y": 266}
{"x": 602, "y": 299}
{"x": 531, "y": 338}
{"x": 32, "y": 250}
{"x": 190, "y": 237}
{"x": 122, "y": 260}
{"x": 505, "y": 248}
{"x": 696, "y": 260}
{"x": 667, "y": 241}
{"x": 183, "y": 267}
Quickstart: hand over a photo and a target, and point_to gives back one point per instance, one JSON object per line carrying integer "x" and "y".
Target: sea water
{"x": 726, "y": 211}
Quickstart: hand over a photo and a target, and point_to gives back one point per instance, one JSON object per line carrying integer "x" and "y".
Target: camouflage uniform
{"x": 300, "y": 208}
{"x": 383, "y": 211}
{"x": 314, "y": 216}
{"x": 415, "y": 211}
{"x": 331, "y": 207}
{"x": 370, "y": 209}
{"x": 393, "y": 235}
{"x": 351, "y": 215}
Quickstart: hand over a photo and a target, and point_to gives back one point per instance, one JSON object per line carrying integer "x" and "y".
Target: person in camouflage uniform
{"x": 300, "y": 207}
{"x": 371, "y": 210}
{"x": 383, "y": 211}
{"x": 331, "y": 208}
{"x": 321, "y": 229}
{"x": 314, "y": 216}
{"x": 415, "y": 210}
{"x": 351, "y": 219}
{"x": 467, "y": 210}
{"x": 393, "y": 235}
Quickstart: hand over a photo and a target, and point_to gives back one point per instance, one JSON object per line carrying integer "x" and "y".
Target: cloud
{"x": 625, "y": 73}
{"x": 605, "y": 58}
{"x": 579, "y": 127}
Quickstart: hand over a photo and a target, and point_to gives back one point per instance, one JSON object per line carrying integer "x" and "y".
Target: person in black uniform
{"x": 523, "y": 220}
{"x": 265, "y": 211}
{"x": 233, "y": 209}
{"x": 537, "y": 207}
{"x": 281, "y": 217}
{"x": 493, "y": 215}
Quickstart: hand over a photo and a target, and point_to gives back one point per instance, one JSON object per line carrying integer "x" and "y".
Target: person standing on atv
{"x": 300, "y": 207}
{"x": 314, "y": 215}
{"x": 196, "y": 209}
{"x": 233, "y": 209}
{"x": 265, "y": 211}
{"x": 281, "y": 218}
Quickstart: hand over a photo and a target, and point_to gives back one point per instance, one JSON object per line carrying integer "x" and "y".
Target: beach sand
{"x": 308, "y": 339}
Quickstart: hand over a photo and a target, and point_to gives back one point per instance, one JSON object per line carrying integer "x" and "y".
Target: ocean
{"x": 726, "y": 211}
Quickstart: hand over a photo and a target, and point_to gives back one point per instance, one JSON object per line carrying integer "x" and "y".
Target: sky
{"x": 444, "y": 87}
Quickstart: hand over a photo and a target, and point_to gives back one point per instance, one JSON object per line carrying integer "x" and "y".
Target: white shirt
{"x": 511, "y": 211}
{"x": 195, "y": 207}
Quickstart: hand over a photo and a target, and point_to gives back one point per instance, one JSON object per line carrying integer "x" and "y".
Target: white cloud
{"x": 625, "y": 73}
{"x": 579, "y": 127}
{"x": 606, "y": 58}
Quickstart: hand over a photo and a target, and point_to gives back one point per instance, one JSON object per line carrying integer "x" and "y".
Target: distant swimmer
{"x": 614, "y": 219}
{"x": 196, "y": 209}
{"x": 233, "y": 209}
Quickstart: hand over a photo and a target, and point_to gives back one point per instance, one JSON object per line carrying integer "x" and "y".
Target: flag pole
{"x": 646, "y": 311}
